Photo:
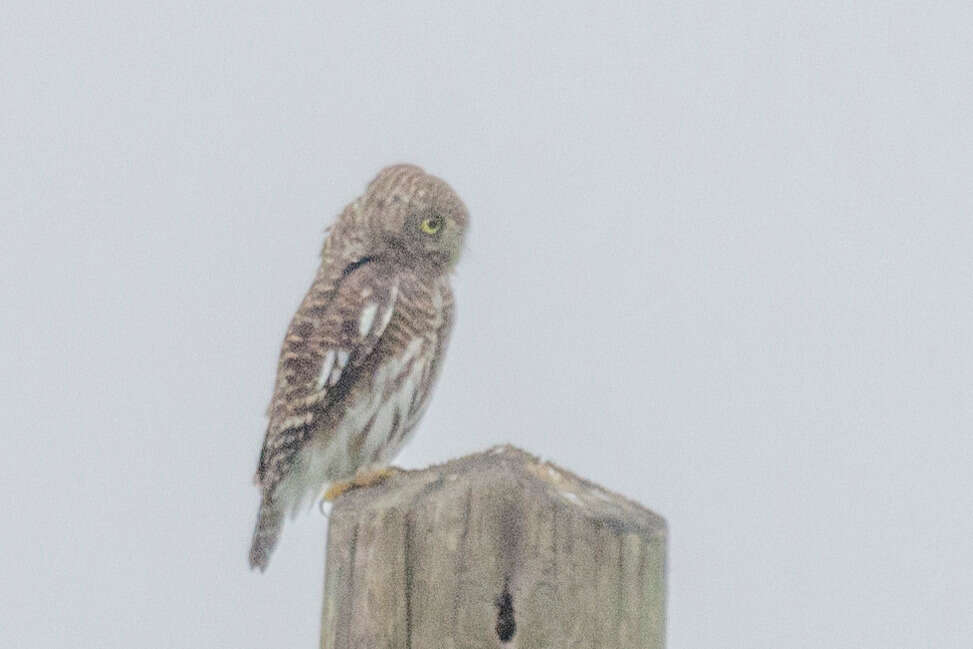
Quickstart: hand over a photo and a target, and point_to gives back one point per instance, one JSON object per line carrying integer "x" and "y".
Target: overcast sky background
{"x": 720, "y": 261}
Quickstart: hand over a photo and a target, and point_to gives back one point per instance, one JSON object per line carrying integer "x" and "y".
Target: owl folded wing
{"x": 326, "y": 342}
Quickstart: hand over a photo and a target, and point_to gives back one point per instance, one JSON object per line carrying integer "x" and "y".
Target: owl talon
{"x": 363, "y": 479}
{"x": 335, "y": 489}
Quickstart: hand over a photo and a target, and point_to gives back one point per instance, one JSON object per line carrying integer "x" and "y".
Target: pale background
{"x": 720, "y": 262}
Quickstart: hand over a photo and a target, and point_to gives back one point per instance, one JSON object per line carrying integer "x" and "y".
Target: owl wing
{"x": 330, "y": 336}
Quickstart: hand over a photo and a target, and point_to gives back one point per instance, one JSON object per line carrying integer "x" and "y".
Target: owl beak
{"x": 454, "y": 242}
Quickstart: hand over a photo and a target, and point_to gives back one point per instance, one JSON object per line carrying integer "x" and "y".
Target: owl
{"x": 366, "y": 345}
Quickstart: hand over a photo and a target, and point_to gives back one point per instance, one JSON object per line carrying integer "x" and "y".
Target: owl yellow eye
{"x": 431, "y": 225}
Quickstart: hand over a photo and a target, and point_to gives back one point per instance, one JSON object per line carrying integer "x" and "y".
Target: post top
{"x": 516, "y": 474}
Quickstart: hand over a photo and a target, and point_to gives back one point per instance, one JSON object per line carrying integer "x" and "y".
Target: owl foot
{"x": 361, "y": 479}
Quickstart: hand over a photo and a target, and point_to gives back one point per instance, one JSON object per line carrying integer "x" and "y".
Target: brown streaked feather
{"x": 323, "y": 330}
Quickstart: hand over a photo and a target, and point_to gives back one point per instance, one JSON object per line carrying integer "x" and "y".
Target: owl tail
{"x": 270, "y": 519}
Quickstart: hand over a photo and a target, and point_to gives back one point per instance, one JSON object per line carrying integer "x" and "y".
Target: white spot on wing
{"x": 326, "y": 368}
{"x": 387, "y": 315}
{"x": 342, "y": 360}
{"x": 367, "y": 318}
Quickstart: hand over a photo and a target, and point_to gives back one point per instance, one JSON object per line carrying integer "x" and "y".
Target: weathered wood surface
{"x": 496, "y": 550}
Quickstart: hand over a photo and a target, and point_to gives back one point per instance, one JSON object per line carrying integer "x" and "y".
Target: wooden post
{"x": 496, "y": 550}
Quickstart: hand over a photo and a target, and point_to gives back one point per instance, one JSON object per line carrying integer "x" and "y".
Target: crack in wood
{"x": 409, "y": 575}
{"x": 506, "y": 625}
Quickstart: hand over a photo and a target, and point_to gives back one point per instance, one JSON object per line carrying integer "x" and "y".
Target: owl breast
{"x": 376, "y": 425}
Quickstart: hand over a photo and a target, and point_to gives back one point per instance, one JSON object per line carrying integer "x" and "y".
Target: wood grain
{"x": 497, "y": 550}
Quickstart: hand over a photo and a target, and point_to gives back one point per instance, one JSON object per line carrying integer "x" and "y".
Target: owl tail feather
{"x": 269, "y": 521}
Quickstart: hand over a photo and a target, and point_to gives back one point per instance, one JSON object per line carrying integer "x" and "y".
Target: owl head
{"x": 410, "y": 217}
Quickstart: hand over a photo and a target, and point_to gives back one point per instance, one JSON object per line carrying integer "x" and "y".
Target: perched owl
{"x": 363, "y": 350}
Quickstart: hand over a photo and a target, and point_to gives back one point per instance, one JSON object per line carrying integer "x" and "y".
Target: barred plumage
{"x": 364, "y": 349}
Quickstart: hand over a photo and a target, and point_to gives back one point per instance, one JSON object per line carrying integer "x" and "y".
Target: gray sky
{"x": 720, "y": 262}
